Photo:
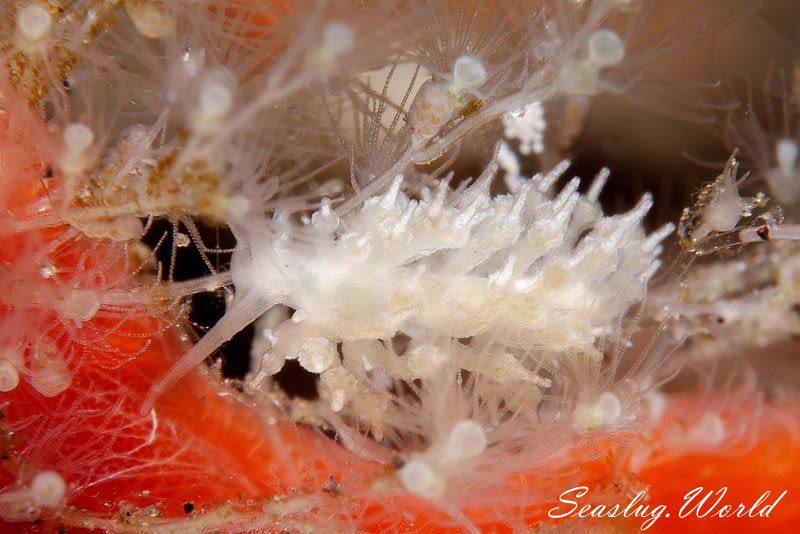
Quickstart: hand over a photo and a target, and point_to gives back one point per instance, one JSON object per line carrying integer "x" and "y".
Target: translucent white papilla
{"x": 537, "y": 270}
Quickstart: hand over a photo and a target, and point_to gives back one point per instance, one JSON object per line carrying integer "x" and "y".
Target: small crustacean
{"x": 438, "y": 102}
{"x": 720, "y": 217}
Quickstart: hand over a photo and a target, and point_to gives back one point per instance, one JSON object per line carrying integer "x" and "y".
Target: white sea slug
{"x": 533, "y": 269}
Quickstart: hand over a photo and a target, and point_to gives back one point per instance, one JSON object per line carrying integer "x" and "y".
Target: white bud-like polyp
{"x": 419, "y": 478}
{"x": 238, "y": 205}
{"x": 784, "y": 180}
{"x": 582, "y": 78}
{"x": 34, "y": 22}
{"x": 710, "y": 430}
{"x": 9, "y": 377}
{"x": 602, "y": 412}
{"x": 337, "y": 39}
{"x": 437, "y": 102}
{"x": 467, "y": 440}
{"x": 48, "y": 489}
{"x": 610, "y": 406}
{"x": 606, "y": 48}
{"x": 469, "y": 72}
{"x": 316, "y": 354}
{"x": 214, "y": 100}
{"x": 79, "y": 305}
{"x": 786, "y": 152}
{"x": 78, "y": 139}
{"x": 151, "y": 18}
{"x": 50, "y": 377}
